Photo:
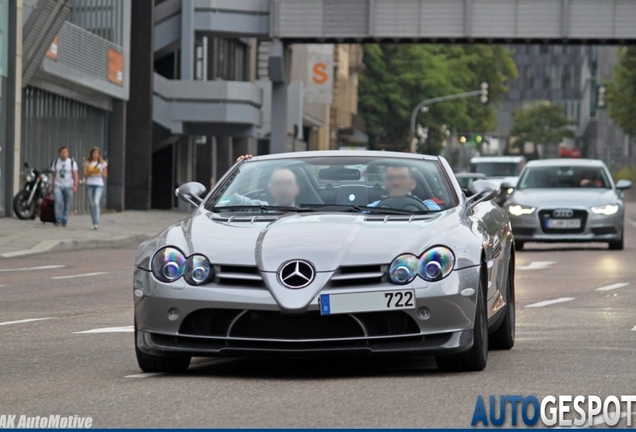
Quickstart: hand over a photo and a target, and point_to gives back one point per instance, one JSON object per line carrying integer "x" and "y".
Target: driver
{"x": 399, "y": 182}
{"x": 282, "y": 186}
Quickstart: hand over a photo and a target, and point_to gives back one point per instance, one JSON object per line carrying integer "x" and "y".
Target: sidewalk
{"x": 123, "y": 229}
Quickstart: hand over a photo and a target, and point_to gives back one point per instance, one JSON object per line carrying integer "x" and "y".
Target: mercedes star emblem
{"x": 296, "y": 274}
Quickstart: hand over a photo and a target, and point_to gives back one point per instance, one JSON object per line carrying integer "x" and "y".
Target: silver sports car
{"x": 332, "y": 252}
{"x": 567, "y": 200}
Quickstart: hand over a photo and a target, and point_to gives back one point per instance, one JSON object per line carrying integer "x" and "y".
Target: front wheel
{"x": 504, "y": 337}
{"x": 152, "y": 363}
{"x": 477, "y": 357}
{"x": 21, "y": 207}
{"x": 618, "y": 245}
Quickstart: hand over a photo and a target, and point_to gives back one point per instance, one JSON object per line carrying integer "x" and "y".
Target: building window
{"x": 529, "y": 76}
{"x": 105, "y": 18}
{"x": 566, "y": 78}
{"x": 229, "y": 60}
{"x": 544, "y": 49}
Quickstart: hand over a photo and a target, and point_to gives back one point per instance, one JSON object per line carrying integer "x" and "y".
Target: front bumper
{"x": 218, "y": 320}
{"x": 595, "y": 227}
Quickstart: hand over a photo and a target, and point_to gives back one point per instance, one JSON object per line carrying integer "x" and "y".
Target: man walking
{"x": 65, "y": 181}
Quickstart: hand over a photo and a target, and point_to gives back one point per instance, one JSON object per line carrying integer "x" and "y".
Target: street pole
{"x": 432, "y": 101}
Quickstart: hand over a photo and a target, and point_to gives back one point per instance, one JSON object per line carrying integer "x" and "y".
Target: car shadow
{"x": 319, "y": 368}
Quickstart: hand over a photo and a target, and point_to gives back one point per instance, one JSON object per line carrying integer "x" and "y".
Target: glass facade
{"x": 4, "y": 73}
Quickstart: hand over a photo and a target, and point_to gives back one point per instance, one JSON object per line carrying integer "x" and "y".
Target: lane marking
{"x": 2, "y": 286}
{"x": 550, "y": 302}
{"x": 632, "y": 221}
{"x": 125, "y": 329}
{"x": 613, "y": 286}
{"x": 192, "y": 367}
{"x": 79, "y": 275}
{"x": 634, "y": 329}
{"x": 47, "y": 267}
{"x": 23, "y": 321}
{"x": 536, "y": 265}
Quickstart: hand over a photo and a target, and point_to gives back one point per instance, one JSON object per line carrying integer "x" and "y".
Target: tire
{"x": 20, "y": 207}
{"x": 504, "y": 337}
{"x": 152, "y": 363}
{"x": 519, "y": 245}
{"x": 618, "y": 245}
{"x": 477, "y": 357}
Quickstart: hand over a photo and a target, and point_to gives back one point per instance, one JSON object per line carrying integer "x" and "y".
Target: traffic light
{"x": 601, "y": 96}
{"x": 484, "y": 97}
{"x": 477, "y": 139}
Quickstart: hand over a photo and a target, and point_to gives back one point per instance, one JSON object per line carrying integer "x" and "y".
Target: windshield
{"x": 556, "y": 177}
{"x": 335, "y": 183}
{"x": 496, "y": 169}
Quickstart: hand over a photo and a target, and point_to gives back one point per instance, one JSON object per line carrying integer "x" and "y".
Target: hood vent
{"x": 246, "y": 219}
{"x": 397, "y": 218}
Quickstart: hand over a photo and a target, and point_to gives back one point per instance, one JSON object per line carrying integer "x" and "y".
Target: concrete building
{"x": 68, "y": 65}
{"x": 568, "y": 75}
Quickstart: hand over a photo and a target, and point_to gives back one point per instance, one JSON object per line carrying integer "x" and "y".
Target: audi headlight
{"x": 168, "y": 264}
{"x": 403, "y": 269}
{"x": 197, "y": 270}
{"x": 606, "y": 210}
{"x": 436, "y": 263}
{"x": 519, "y": 210}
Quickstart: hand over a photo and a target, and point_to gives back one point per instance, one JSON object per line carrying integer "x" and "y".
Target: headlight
{"x": 436, "y": 263}
{"x": 519, "y": 210}
{"x": 30, "y": 177}
{"x": 606, "y": 210}
{"x": 168, "y": 264}
{"x": 197, "y": 270}
{"x": 403, "y": 269}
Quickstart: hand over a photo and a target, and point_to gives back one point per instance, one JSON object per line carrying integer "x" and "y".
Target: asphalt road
{"x": 584, "y": 344}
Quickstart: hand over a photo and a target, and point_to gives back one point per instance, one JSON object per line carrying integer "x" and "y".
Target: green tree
{"x": 397, "y": 77}
{"x": 541, "y": 124}
{"x": 621, "y": 91}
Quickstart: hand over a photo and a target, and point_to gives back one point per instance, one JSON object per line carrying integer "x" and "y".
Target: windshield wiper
{"x": 363, "y": 209}
{"x": 261, "y": 208}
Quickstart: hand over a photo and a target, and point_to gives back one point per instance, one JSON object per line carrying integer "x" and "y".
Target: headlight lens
{"x": 606, "y": 210}
{"x": 197, "y": 270}
{"x": 519, "y": 210}
{"x": 168, "y": 264}
{"x": 436, "y": 263}
{"x": 403, "y": 269}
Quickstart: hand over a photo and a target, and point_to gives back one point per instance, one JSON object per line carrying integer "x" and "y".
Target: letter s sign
{"x": 320, "y": 73}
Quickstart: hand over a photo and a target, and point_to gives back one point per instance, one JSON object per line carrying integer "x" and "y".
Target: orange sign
{"x": 115, "y": 66}
{"x": 320, "y": 73}
{"x": 52, "y": 51}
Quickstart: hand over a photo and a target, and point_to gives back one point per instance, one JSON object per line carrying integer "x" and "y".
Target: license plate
{"x": 366, "y": 302}
{"x": 563, "y": 223}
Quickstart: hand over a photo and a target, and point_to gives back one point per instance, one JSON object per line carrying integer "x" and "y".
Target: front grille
{"x": 268, "y": 325}
{"x": 604, "y": 230}
{"x": 544, "y": 215}
{"x": 357, "y": 275}
{"x": 247, "y": 276}
{"x": 523, "y": 231}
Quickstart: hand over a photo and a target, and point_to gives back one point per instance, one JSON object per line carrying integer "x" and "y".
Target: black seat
{"x": 352, "y": 195}
{"x": 307, "y": 194}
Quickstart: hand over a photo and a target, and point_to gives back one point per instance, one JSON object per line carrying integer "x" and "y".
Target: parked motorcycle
{"x": 26, "y": 204}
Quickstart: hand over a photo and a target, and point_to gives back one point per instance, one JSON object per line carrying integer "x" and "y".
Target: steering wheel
{"x": 403, "y": 203}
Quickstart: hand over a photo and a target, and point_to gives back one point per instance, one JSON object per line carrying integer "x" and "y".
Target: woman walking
{"x": 95, "y": 172}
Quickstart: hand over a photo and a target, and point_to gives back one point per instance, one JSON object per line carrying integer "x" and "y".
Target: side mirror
{"x": 482, "y": 190}
{"x": 191, "y": 192}
{"x": 623, "y": 184}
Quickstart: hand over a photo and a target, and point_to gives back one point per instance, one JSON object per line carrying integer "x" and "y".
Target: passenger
{"x": 283, "y": 188}
{"x": 399, "y": 182}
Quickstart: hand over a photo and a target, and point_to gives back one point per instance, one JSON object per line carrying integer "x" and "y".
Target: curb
{"x": 73, "y": 245}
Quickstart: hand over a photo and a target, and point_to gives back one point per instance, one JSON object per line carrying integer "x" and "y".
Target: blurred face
{"x": 64, "y": 154}
{"x": 398, "y": 181}
{"x": 95, "y": 154}
{"x": 283, "y": 187}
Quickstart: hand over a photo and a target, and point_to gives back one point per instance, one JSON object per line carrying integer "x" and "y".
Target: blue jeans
{"x": 63, "y": 203}
{"x": 94, "y": 197}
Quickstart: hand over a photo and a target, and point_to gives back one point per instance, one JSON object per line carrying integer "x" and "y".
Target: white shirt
{"x": 95, "y": 176}
{"x": 63, "y": 170}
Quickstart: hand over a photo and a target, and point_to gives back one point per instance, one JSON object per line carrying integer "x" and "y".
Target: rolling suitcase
{"x": 47, "y": 210}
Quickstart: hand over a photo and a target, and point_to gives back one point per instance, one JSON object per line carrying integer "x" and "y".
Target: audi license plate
{"x": 366, "y": 302}
{"x": 563, "y": 223}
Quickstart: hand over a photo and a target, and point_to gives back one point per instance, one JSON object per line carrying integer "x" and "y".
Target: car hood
{"x": 574, "y": 197}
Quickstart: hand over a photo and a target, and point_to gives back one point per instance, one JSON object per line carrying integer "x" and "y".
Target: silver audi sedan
{"x": 333, "y": 252}
{"x": 567, "y": 200}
